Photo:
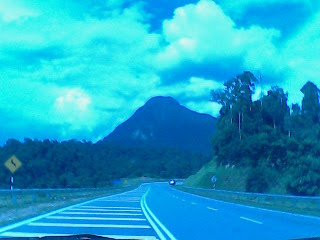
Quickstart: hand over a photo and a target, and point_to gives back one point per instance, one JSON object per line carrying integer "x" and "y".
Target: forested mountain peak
{"x": 163, "y": 122}
{"x": 161, "y": 139}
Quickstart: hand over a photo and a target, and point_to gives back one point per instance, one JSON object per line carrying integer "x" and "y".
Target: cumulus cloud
{"x": 15, "y": 10}
{"x": 72, "y": 105}
{"x": 78, "y": 74}
{"x": 202, "y": 34}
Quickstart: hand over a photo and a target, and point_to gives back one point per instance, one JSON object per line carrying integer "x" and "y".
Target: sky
{"x": 76, "y": 69}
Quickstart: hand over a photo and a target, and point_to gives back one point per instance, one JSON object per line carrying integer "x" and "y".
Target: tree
{"x": 275, "y": 107}
{"x": 236, "y": 98}
{"x": 310, "y": 102}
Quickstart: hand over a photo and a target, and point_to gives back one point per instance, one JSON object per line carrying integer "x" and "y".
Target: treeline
{"x": 279, "y": 143}
{"x": 52, "y": 164}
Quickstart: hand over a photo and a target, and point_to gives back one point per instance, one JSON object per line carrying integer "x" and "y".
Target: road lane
{"x": 158, "y": 211}
{"x": 230, "y": 221}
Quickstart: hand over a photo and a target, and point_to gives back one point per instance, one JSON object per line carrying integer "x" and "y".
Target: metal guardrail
{"x": 54, "y": 193}
{"x": 259, "y": 197}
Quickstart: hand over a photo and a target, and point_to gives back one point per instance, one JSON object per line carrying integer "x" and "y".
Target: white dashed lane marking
{"x": 251, "y": 220}
{"x": 213, "y": 209}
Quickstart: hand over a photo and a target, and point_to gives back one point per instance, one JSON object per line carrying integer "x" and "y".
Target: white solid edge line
{"x": 246, "y": 206}
{"x": 27, "y": 221}
{"x": 26, "y": 234}
{"x": 251, "y": 220}
{"x": 156, "y": 219}
{"x": 154, "y": 226}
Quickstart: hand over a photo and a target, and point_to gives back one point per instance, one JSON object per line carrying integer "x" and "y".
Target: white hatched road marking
{"x": 251, "y": 220}
{"x": 110, "y": 200}
{"x": 106, "y": 210}
{"x": 213, "y": 209}
{"x": 96, "y": 218}
{"x": 126, "y": 198}
{"x": 98, "y": 207}
{"x": 84, "y": 225}
{"x": 89, "y": 213}
{"x": 26, "y": 234}
{"x": 102, "y": 213}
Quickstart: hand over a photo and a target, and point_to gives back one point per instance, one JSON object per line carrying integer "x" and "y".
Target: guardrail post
{"x": 14, "y": 197}
{"x": 258, "y": 200}
{"x": 294, "y": 202}
{"x": 34, "y": 197}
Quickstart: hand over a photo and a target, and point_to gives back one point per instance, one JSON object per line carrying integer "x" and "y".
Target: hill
{"x": 163, "y": 122}
{"x": 161, "y": 140}
{"x": 264, "y": 144}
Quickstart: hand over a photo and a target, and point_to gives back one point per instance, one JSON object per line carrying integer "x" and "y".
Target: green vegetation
{"x": 228, "y": 178}
{"x": 292, "y": 206}
{"x": 51, "y": 164}
{"x": 265, "y": 145}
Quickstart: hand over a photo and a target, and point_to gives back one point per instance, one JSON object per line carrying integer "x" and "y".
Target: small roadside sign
{"x": 13, "y": 164}
{"x": 213, "y": 179}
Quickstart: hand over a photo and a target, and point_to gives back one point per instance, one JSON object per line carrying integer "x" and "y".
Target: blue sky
{"x": 76, "y": 69}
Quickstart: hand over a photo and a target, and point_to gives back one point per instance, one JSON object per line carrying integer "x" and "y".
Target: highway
{"x": 158, "y": 211}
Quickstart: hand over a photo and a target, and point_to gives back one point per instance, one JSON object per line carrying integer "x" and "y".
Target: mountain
{"x": 163, "y": 122}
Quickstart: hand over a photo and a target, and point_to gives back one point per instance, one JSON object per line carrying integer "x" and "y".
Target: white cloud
{"x": 87, "y": 73}
{"x": 203, "y": 33}
{"x": 204, "y": 107}
{"x": 15, "y": 10}
{"x": 301, "y": 55}
{"x": 77, "y": 72}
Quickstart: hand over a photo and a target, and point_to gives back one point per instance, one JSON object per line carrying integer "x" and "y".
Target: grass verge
{"x": 305, "y": 207}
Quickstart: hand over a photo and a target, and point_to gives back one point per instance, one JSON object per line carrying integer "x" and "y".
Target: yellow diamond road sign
{"x": 13, "y": 164}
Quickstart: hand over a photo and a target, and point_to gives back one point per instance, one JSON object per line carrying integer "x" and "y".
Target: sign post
{"x": 213, "y": 181}
{"x": 13, "y": 164}
{"x": 11, "y": 183}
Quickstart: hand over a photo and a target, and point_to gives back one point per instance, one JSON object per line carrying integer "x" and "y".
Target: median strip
{"x": 152, "y": 219}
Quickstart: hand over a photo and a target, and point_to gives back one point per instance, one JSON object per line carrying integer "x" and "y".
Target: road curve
{"x": 158, "y": 211}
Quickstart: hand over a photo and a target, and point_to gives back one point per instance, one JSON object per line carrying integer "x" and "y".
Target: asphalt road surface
{"x": 157, "y": 211}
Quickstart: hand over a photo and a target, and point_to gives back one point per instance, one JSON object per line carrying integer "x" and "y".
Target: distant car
{"x": 172, "y": 182}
